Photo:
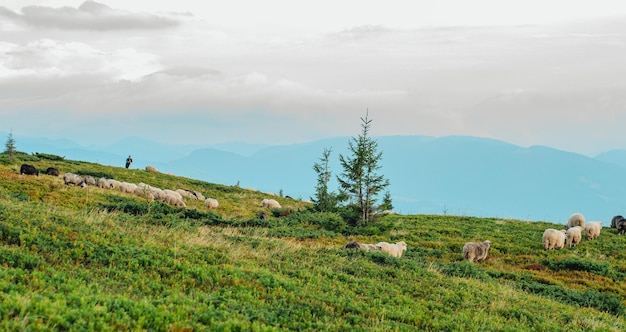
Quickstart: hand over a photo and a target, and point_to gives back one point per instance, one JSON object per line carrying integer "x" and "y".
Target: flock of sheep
{"x": 552, "y": 239}
{"x": 574, "y": 229}
{"x": 172, "y": 197}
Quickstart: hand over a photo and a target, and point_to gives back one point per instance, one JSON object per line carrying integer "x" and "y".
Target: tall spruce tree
{"x": 360, "y": 178}
{"x": 10, "y": 146}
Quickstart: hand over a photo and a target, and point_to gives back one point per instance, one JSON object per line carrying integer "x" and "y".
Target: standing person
{"x": 129, "y": 161}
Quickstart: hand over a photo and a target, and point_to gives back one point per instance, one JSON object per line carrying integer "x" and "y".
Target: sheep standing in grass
{"x": 361, "y": 246}
{"x": 574, "y": 235}
{"x": 575, "y": 219}
{"x": 270, "y": 204}
{"x": 553, "y": 239}
{"x": 29, "y": 170}
{"x": 198, "y": 195}
{"x": 71, "y": 178}
{"x": 393, "y": 249}
{"x": 616, "y": 221}
{"x": 211, "y": 203}
{"x": 151, "y": 169}
{"x": 114, "y": 184}
{"x": 52, "y": 171}
{"x": 476, "y": 251}
{"x": 103, "y": 183}
{"x": 592, "y": 229}
{"x": 174, "y": 200}
{"x": 90, "y": 180}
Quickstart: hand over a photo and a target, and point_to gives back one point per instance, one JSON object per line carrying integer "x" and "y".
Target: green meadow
{"x": 80, "y": 259}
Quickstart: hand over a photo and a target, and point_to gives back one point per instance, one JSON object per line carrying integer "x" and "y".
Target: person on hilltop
{"x": 129, "y": 161}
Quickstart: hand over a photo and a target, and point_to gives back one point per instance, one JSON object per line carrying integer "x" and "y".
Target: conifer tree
{"x": 360, "y": 178}
{"x": 10, "y": 146}
{"x": 324, "y": 200}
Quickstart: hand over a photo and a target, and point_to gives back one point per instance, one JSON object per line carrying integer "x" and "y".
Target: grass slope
{"x": 96, "y": 259}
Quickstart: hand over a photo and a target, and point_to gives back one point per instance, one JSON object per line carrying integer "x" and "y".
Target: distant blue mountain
{"x": 457, "y": 175}
{"x": 617, "y": 157}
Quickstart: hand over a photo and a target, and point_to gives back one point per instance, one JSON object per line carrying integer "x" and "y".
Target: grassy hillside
{"x": 99, "y": 259}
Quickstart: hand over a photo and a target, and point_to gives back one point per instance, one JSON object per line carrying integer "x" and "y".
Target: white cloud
{"x": 90, "y": 15}
{"x": 45, "y": 58}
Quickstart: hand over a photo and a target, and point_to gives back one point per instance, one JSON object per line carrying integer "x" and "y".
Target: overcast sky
{"x": 283, "y": 71}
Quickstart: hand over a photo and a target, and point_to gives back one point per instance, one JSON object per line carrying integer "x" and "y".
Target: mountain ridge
{"x": 460, "y": 175}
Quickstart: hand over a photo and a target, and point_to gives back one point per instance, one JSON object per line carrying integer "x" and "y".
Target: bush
{"x": 95, "y": 174}
{"x": 575, "y": 264}
{"x": 49, "y": 156}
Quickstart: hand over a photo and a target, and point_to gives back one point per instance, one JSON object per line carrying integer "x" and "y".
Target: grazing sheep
{"x": 174, "y": 201}
{"x": 114, "y": 184}
{"x": 270, "y": 204}
{"x": 262, "y": 216}
{"x": 151, "y": 169}
{"x": 71, "y": 178}
{"x": 393, "y": 249}
{"x": 592, "y": 229}
{"x": 553, "y": 239}
{"x": 211, "y": 203}
{"x": 574, "y": 235}
{"x": 52, "y": 171}
{"x": 158, "y": 193}
{"x": 575, "y": 219}
{"x": 29, "y": 170}
{"x": 186, "y": 194}
{"x": 621, "y": 227}
{"x": 198, "y": 195}
{"x": 476, "y": 251}
{"x": 89, "y": 180}
{"x": 127, "y": 187}
{"x": 104, "y": 183}
{"x": 172, "y": 192}
{"x": 361, "y": 246}
{"x": 616, "y": 221}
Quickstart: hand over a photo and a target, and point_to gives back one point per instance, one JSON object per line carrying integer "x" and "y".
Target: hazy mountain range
{"x": 457, "y": 175}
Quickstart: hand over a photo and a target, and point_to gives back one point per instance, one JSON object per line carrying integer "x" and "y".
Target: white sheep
{"x": 393, "y": 249}
{"x": 186, "y": 194}
{"x": 103, "y": 183}
{"x": 151, "y": 169}
{"x": 476, "y": 251}
{"x": 144, "y": 191}
{"x": 574, "y": 235}
{"x": 172, "y": 192}
{"x": 592, "y": 229}
{"x": 174, "y": 200}
{"x": 553, "y": 239}
{"x": 90, "y": 180}
{"x": 158, "y": 193}
{"x": 71, "y": 178}
{"x": 211, "y": 203}
{"x": 576, "y": 219}
{"x": 270, "y": 203}
{"x": 127, "y": 187}
{"x": 114, "y": 184}
{"x": 198, "y": 195}
{"x": 361, "y": 246}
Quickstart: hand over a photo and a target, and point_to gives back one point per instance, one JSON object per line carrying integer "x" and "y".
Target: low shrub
{"x": 47, "y": 156}
{"x": 95, "y": 174}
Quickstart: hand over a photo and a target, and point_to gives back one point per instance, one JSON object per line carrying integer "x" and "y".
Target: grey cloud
{"x": 90, "y": 15}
